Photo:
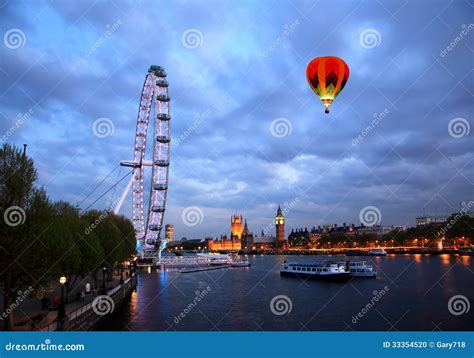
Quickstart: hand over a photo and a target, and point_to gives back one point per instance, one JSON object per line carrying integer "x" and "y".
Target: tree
{"x": 25, "y": 211}
{"x": 127, "y": 231}
{"x": 85, "y": 241}
{"x": 459, "y": 226}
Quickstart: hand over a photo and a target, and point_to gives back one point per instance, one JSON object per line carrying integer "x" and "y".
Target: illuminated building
{"x": 236, "y": 226}
{"x": 169, "y": 232}
{"x": 280, "y": 230}
{"x": 224, "y": 244}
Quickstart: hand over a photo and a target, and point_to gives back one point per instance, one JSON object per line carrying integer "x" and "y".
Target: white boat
{"x": 324, "y": 270}
{"x": 362, "y": 269}
{"x": 214, "y": 256}
{"x": 377, "y": 252}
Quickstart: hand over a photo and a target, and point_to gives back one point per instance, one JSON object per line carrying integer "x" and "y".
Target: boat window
{"x": 325, "y": 270}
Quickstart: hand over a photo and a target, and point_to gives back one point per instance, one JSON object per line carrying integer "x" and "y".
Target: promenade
{"x": 31, "y": 313}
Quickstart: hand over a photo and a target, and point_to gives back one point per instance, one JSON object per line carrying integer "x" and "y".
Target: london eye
{"x": 153, "y": 111}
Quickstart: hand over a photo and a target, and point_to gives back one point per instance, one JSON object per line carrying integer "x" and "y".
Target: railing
{"x": 53, "y": 326}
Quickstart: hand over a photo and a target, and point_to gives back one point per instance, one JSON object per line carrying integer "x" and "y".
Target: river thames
{"x": 411, "y": 292}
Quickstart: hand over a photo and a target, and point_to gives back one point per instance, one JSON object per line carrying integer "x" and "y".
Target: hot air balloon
{"x": 327, "y": 76}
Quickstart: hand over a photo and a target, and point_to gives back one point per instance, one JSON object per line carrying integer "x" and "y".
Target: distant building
{"x": 247, "y": 238}
{"x": 304, "y": 237}
{"x": 299, "y": 238}
{"x": 263, "y": 242}
{"x": 224, "y": 244}
{"x": 280, "y": 230}
{"x": 465, "y": 209}
{"x": 378, "y": 230}
{"x": 236, "y": 226}
{"x": 169, "y": 232}
{"x": 430, "y": 219}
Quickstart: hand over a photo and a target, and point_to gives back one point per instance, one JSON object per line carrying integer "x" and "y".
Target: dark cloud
{"x": 248, "y": 72}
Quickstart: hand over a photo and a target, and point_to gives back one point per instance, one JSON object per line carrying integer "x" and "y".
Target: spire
{"x": 279, "y": 213}
{"x": 245, "y": 225}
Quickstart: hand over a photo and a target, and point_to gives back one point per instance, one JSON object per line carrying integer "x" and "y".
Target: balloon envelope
{"x": 327, "y": 76}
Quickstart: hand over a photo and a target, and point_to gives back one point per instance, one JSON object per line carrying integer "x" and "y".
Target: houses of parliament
{"x": 242, "y": 239}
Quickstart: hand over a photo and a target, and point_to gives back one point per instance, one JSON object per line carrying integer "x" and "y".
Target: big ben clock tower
{"x": 280, "y": 230}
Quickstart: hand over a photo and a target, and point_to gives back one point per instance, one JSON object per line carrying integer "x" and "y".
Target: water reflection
{"x": 163, "y": 277}
{"x": 133, "y": 302}
{"x": 466, "y": 260}
{"x": 445, "y": 259}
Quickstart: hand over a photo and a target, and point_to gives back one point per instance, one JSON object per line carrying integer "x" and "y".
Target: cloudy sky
{"x": 253, "y": 134}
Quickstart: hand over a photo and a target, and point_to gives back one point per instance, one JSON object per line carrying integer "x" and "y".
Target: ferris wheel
{"x": 154, "y": 103}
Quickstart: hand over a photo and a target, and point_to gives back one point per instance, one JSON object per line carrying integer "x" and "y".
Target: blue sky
{"x": 76, "y": 62}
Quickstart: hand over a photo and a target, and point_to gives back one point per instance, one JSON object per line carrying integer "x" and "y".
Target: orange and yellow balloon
{"x": 327, "y": 76}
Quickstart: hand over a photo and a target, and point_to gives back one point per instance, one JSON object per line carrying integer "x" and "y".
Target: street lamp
{"x": 104, "y": 290}
{"x": 61, "y": 308}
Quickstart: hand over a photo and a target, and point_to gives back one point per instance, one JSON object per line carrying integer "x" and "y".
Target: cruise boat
{"x": 362, "y": 269}
{"x": 324, "y": 270}
{"x": 377, "y": 252}
{"x": 214, "y": 256}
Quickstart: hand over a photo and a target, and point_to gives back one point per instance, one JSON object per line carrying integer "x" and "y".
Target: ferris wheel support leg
{"x": 124, "y": 196}
{"x": 163, "y": 244}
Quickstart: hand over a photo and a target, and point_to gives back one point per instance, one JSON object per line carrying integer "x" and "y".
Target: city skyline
{"x": 269, "y": 228}
{"x": 387, "y": 142}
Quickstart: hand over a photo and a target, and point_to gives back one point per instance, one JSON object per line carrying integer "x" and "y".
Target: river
{"x": 411, "y": 292}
